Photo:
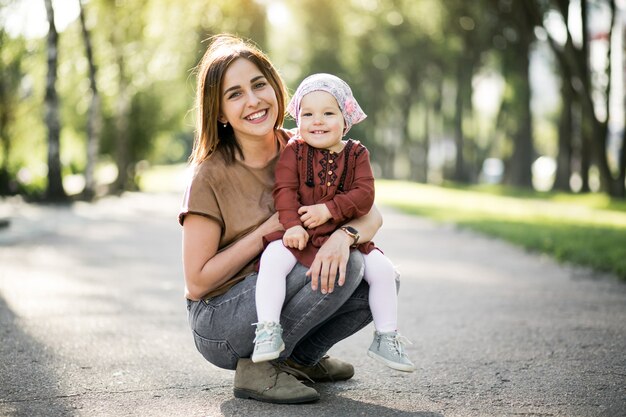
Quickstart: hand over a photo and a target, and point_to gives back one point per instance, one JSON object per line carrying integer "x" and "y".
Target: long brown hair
{"x": 211, "y": 135}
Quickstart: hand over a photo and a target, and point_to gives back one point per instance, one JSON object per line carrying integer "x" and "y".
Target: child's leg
{"x": 381, "y": 276}
{"x": 388, "y": 345}
{"x": 276, "y": 262}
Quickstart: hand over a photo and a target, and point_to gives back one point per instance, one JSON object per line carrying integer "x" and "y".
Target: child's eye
{"x": 306, "y": 115}
{"x": 329, "y": 113}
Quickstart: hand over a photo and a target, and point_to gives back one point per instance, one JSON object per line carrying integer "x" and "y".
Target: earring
{"x": 225, "y": 124}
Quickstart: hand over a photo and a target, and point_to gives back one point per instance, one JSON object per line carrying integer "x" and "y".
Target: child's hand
{"x": 295, "y": 237}
{"x": 315, "y": 215}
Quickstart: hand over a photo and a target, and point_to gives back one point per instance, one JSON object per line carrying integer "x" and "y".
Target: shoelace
{"x": 282, "y": 366}
{"x": 262, "y": 331}
{"x": 398, "y": 342}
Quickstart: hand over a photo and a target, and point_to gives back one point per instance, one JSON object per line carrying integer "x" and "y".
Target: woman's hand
{"x": 331, "y": 259}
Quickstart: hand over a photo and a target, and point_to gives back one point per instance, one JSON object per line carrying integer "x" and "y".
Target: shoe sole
{"x": 392, "y": 365}
{"x": 252, "y": 395}
{"x": 268, "y": 356}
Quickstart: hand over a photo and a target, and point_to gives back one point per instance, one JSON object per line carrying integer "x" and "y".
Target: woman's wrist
{"x": 352, "y": 233}
{"x": 345, "y": 238}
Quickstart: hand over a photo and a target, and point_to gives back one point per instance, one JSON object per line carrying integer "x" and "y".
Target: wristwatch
{"x": 352, "y": 232}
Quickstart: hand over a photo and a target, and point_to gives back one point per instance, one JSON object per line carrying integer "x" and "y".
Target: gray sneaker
{"x": 388, "y": 348}
{"x": 267, "y": 382}
{"x": 268, "y": 342}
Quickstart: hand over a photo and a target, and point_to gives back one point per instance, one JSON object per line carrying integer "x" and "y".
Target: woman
{"x": 228, "y": 208}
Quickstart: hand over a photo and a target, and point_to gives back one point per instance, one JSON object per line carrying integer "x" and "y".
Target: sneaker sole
{"x": 253, "y": 395}
{"x": 393, "y": 365}
{"x": 268, "y": 356}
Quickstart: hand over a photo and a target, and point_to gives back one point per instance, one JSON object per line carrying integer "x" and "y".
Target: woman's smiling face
{"x": 248, "y": 101}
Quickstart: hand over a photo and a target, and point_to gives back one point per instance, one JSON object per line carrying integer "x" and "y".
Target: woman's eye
{"x": 235, "y": 94}
{"x": 260, "y": 84}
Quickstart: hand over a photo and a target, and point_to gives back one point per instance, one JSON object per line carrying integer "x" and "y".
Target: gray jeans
{"x": 312, "y": 322}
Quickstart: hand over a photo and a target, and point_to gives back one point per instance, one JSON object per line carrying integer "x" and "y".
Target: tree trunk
{"x": 426, "y": 146}
{"x": 5, "y": 142}
{"x": 621, "y": 178}
{"x": 122, "y": 123}
{"x": 122, "y": 148}
{"x": 463, "y": 103}
{"x": 55, "y": 191}
{"x": 94, "y": 122}
{"x": 523, "y": 150}
{"x": 564, "y": 157}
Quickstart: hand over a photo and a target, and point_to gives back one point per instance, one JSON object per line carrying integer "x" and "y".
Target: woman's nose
{"x": 253, "y": 99}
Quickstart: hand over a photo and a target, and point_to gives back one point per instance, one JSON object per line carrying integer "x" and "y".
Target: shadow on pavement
{"x": 329, "y": 405}
{"x": 26, "y": 371}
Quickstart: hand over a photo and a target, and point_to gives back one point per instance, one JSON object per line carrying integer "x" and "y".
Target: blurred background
{"x": 97, "y": 94}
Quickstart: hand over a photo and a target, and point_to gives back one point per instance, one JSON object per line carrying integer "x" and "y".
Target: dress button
{"x": 330, "y": 161}
{"x": 330, "y": 172}
{"x": 328, "y": 184}
{"x": 332, "y": 152}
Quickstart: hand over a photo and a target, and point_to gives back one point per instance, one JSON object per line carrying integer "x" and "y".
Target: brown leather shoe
{"x": 265, "y": 381}
{"x": 326, "y": 370}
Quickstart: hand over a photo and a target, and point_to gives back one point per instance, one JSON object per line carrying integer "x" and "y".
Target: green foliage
{"x": 403, "y": 58}
{"x": 587, "y": 230}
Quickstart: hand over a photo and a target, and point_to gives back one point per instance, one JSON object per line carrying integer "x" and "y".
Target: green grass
{"x": 587, "y": 230}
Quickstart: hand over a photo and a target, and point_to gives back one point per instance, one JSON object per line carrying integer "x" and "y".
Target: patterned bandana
{"x": 350, "y": 109}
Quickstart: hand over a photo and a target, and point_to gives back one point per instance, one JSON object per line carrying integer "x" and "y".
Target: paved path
{"x": 92, "y": 322}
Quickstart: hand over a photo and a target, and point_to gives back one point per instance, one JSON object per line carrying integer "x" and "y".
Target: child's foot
{"x": 388, "y": 348}
{"x": 268, "y": 342}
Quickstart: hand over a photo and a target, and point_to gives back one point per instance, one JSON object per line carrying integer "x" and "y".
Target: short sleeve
{"x": 200, "y": 198}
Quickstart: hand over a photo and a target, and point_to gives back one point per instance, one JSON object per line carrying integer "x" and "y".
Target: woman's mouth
{"x": 256, "y": 116}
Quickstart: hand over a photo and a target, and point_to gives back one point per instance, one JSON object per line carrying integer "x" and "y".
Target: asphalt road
{"x": 93, "y": 323}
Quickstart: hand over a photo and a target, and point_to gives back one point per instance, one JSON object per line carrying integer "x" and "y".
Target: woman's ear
{"x": 222, "y": 119}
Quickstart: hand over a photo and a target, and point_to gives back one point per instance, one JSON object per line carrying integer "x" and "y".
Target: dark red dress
{"x": 306, "y": 176}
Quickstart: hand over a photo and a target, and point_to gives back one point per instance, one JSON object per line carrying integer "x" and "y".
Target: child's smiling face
{"x": 321, "y": 121}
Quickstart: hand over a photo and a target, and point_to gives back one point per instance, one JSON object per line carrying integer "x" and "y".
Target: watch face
{"x": 352, "y": 230}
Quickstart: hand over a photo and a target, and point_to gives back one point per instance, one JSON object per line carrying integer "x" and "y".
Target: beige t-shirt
{"x": 236, "y": 196}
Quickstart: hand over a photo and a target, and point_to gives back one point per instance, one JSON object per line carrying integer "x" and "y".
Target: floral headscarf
{"x": 350, "y": 109}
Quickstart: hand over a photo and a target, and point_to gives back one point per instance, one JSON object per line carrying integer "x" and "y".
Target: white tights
{"x": 277, "y": 261}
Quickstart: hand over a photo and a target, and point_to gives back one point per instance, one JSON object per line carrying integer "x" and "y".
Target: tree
{"x": 515, "y": 116}
{"x": 54, "y": 191}
{"x": 94, "y": 122}
{"x": 575, "y": 58}
{"x": 11, "y": 57}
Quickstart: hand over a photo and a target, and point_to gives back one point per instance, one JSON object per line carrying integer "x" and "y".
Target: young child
{"x": 322, "y": 182}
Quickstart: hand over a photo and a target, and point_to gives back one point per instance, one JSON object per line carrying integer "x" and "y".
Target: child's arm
{"x": 355, "y": 202}
{"x": 286, "y": 188}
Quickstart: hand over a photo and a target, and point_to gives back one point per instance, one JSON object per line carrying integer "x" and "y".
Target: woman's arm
{"x": 332, "y": 257}
{"x": 204, "y": 268}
